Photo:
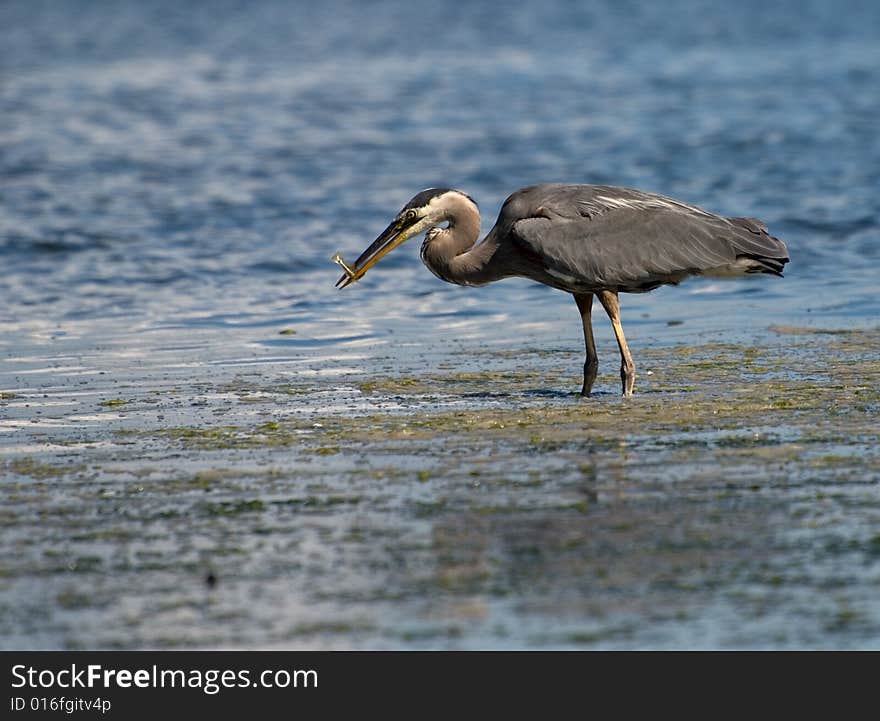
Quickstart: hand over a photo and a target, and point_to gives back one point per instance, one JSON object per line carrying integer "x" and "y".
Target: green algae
{"x": 28, "y": 466}
{"x": 232, "y": 508}
{"x": 113, "y": 402}
{"x": 332, "y": 627}
{"x": 462, "y": 500}
{"x": 725, "y": 401}
{"x": 795, "y": 330}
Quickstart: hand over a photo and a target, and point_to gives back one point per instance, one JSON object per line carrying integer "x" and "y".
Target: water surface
{"x": 174, "y": 182}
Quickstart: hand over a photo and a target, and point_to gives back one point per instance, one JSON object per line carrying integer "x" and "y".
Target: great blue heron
{"x": 584, "y": 239}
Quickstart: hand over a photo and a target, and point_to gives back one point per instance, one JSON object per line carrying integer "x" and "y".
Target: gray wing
{"x": 617, "y": 238}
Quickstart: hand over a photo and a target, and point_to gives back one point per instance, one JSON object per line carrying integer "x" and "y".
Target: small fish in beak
{"x": 403, "y": 227}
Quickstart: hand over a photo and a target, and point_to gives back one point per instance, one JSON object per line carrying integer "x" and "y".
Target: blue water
{"x": 175, "y": 177}
{"x": 195, "y": 165}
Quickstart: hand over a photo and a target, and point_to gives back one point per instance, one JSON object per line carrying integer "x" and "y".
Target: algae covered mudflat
{"x": 733, "y": 502}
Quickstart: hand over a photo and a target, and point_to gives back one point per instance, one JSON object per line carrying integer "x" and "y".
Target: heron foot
{"x": 628, "y": 378}
{"x": 591, "y": 369}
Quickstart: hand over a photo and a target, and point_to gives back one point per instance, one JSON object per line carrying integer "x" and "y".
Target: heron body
{"x": 587, "y": 240}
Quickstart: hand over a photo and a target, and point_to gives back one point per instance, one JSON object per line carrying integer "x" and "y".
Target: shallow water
{"x": 404, "y": 464}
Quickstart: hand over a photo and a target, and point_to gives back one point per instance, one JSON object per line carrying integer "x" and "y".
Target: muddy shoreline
{"x": 734, "y": 502}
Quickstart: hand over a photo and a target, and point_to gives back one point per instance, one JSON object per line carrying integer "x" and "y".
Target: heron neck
{"x": 453, "y": 256}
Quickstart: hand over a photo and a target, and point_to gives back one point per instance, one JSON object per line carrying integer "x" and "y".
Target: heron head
{"x": 426, "y": 210}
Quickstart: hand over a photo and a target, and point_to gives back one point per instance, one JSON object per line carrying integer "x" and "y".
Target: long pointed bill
{"x": 391, "y": 237}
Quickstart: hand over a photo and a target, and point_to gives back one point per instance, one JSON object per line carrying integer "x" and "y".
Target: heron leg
{"x": 609, "y": 301}
{"x": 591, "y": 366}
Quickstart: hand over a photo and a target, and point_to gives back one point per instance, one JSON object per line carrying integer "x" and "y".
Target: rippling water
{"x": 174, "y": 178}
{"x": 196, "y": 168}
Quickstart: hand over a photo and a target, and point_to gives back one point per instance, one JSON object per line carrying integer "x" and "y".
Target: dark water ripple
{"x": 185, "y": 161}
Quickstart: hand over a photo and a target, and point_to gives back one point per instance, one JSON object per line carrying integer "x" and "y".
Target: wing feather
{"x": 620, "y": 238}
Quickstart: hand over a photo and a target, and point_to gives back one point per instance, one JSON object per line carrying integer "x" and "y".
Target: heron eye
{"x": 411, "y": 215}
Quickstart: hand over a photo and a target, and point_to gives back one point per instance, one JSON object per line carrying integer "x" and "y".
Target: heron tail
{"x": 763, "y": 264}
{"x": 756, "y": 244}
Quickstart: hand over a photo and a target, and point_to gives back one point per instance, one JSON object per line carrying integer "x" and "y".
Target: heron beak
{"x": 391, "y": 237}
